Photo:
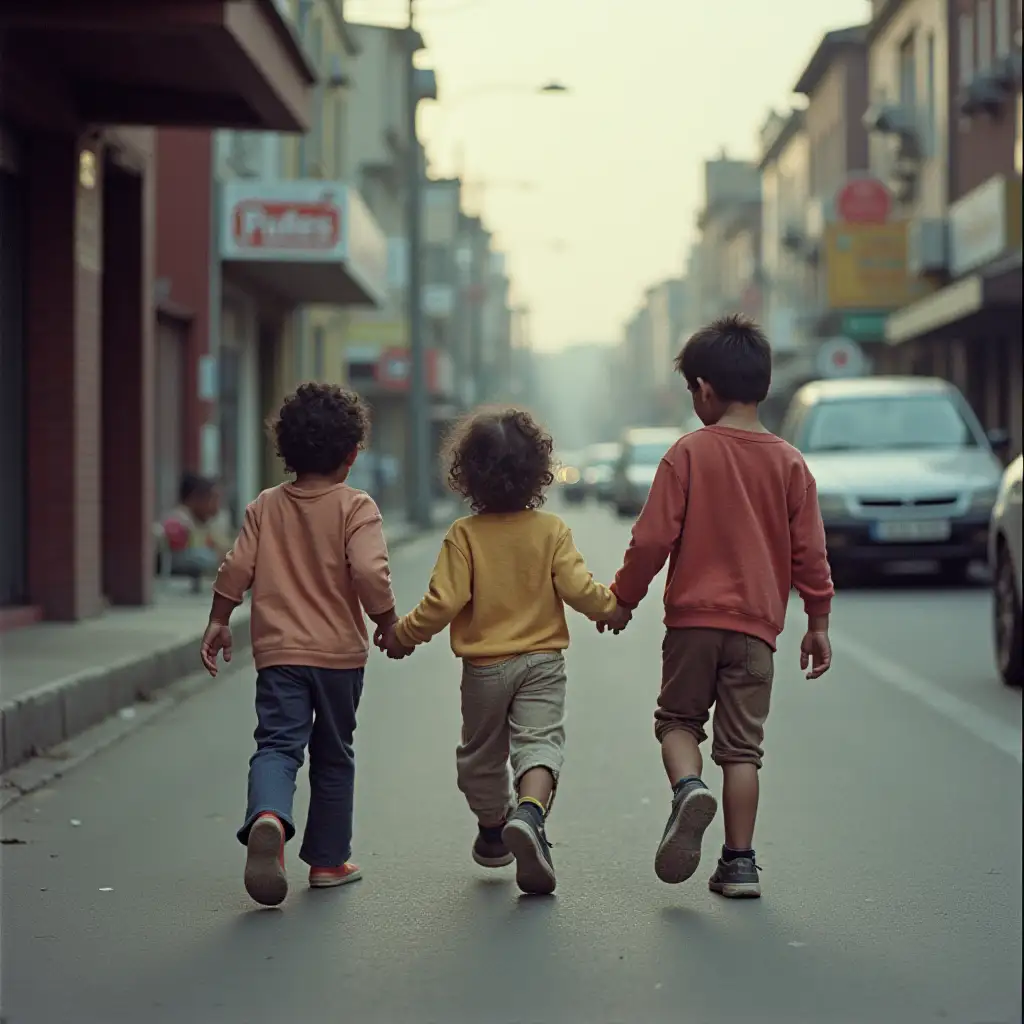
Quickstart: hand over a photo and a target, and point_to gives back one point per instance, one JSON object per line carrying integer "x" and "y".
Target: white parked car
{"x": 1006, "y": 559}
{"x": 905, "y": 472}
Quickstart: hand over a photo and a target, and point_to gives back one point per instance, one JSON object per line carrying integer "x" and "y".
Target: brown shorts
{"x": 731, "y": 671}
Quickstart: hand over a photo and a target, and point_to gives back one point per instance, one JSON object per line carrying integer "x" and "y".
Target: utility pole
{"x": 420, "y": 446}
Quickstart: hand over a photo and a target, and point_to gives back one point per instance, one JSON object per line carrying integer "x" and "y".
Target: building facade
{"x": 957, "y": 121}
{"x": 78, "y": 328}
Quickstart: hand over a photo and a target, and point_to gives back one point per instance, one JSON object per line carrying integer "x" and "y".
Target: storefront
{"x": 284, "y": 246}
{"x": 77, "y": 205}
{"x": 970, "y": 331}
{"x": 12, "y": 375}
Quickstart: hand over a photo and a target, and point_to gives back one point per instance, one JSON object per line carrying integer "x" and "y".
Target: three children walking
{"x": 734, "y": 511}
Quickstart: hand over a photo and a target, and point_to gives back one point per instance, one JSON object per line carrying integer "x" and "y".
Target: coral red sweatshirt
{"x": 736, "y": 514}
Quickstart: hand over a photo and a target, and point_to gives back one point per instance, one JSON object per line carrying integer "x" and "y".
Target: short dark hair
{"x": 319, "y": 428}
{"x": 195, "y": 486}
{"x": 500, "y": 460}
{"x": 733, "y": 355}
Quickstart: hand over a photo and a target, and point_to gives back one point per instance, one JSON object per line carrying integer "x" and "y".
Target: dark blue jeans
{"x": 298, "y": 707}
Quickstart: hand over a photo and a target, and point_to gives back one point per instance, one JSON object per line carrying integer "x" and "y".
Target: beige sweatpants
{"x": 513, "y": 713}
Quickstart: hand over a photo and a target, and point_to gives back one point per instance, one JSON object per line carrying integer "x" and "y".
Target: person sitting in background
{"x": 193, "y": 538}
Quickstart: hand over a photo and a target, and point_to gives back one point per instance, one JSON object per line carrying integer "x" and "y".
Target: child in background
{"x": 312, "y": 551}
{"x": 734, "y": 509}
{"x": 501, "y": 582}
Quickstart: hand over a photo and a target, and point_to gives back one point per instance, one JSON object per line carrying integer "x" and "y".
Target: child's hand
{"x": 394, "y": 648}
{"x": 617, "y": 621}
{"x": 815, "y": 653}
{"x": 216, "y": 640}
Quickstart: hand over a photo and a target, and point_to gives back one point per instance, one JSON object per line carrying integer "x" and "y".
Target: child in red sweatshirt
{"x": 734, "y": 510}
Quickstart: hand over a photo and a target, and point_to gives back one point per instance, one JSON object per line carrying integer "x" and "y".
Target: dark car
{"x": 599, "y": 470}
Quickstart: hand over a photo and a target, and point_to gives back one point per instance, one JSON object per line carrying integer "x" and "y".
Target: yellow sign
{"x": 866, "y": 267}
{"x": 365, "y": 329}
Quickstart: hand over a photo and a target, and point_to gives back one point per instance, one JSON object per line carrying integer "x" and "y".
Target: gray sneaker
{"x": 524, "y": 835}
{"x": 736, "y": 879}
{"x": 489, "y": 850}
{"x": 693, "y": 809}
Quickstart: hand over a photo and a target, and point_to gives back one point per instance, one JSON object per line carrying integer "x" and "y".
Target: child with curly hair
{"x": 312, "y": 552}
{"x": 501, "y": 582}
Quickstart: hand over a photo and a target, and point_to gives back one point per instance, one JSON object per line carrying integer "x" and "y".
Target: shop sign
{"x": 985, "y": 224}
{"x": 866, "y": 267}
{"x": 394, "y": 371}
{"x": 863, "y": 326}
{"x": 284, "y": 221}
{"x": 840, "y": 357}
{"x": 863, "y": 200}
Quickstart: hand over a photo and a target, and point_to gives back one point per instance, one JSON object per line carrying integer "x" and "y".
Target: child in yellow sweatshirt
{"x": 502, "y": 580}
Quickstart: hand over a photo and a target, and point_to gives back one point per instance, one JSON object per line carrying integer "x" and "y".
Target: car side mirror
{"x": 999, "y": 439}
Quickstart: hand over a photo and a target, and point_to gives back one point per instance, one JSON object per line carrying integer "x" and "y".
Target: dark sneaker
{"x": 489, "y": 850}
{"x": 736, "y": 879}
{"x": 693, "y": 809}
{"x": 524, "y": 835}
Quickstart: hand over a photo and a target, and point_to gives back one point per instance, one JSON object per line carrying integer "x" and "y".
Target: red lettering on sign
{"x": 273, "y": 224}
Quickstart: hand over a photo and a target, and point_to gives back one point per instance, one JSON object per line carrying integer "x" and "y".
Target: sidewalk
{"x": 59, "y": 679}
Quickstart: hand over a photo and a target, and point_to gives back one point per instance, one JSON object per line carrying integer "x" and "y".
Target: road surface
{"x": 889, "y": 838}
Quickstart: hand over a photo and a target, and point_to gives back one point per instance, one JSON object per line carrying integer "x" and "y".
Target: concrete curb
{"x": 41, "y": 723}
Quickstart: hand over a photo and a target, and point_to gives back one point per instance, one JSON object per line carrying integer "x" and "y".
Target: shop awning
{"x": 305, "y": 242}
{"x": 998, "y": 287}
{"x": 200, "y": 63}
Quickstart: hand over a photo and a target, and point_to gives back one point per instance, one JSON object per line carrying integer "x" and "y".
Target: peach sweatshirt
{"x": 315, "y": 560}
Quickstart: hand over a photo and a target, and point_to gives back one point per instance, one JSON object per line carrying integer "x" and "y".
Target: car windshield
{"x": 650, "y": 453}
{"x": 897, "y": 422}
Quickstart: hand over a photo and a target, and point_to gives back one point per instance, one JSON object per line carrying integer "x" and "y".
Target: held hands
{"x": 815, "y": 653}
{"x": 216, "y": 640}
{"x": 387, "y": 642}
{"x": 617, "y": 621}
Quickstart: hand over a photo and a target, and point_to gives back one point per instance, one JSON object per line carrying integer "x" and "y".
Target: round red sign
{"x": 863, "y": 201}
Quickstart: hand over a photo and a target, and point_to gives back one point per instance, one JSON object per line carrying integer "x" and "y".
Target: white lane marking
{"x": 1005, "y": 737}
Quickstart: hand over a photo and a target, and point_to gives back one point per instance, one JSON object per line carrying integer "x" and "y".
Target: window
{"x": 984, "y": 35}
{"x": 908, "y": 73}
{"x": 879, "y": 424}
{"x": 966, "y": 49}
{"x": 1004, "y": 29}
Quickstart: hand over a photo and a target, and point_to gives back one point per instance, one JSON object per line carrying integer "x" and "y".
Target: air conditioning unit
{"x": 891, "y": 119}
{"x": 985, "y": 95}
{"x": 793, "y": 238}
{"x": 928, "y": 247}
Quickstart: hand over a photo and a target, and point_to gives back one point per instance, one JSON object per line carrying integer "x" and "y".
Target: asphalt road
{"x": 889, "y": 838}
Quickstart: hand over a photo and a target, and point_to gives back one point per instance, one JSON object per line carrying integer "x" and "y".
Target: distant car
{"x": 1006, "y": 559}
{"x": 569, "y": 477}
{"x": 642, "y": 450}
{"x": 599, "y": 468}
{"x": 904, "y": 470}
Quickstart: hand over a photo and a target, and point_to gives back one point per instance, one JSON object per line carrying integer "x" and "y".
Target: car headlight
{"x": 832, "y": 505}
{"x": 982, "y": 501}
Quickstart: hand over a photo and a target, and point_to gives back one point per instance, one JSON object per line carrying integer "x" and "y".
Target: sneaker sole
{"x": 265, "y": 879}
{"x": 678, "y": 855}
{"x": 533, "y": 873}
{"x": 736, "y": 890}
{"x": 330, "y": 882}
{"x": 493, "y": 862}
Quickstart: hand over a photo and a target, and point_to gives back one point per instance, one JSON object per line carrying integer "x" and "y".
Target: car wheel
{"x": 1007, "y": 621}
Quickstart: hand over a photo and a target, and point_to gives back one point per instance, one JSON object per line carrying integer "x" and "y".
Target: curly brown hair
{"x": 500, "y": 460}
{"x": 319, "y": 428}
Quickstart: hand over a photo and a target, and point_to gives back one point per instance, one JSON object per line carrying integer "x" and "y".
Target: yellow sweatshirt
{"x": 500, "y": 582}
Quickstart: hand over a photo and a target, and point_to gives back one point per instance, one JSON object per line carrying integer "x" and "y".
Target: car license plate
{"x": 924, "y": 531}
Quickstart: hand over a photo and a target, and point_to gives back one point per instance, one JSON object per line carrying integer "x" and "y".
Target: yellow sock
{"x": 533, "y": 800}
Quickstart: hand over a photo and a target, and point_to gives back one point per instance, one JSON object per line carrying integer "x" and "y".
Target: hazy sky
{"x": 657, "y": 86}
